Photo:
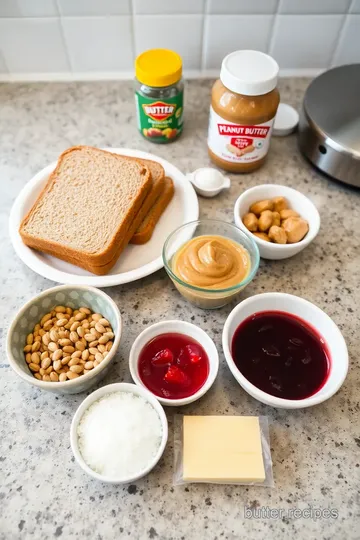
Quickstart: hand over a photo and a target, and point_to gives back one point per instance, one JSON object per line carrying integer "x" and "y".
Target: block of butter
{"x": 224, "y": 449}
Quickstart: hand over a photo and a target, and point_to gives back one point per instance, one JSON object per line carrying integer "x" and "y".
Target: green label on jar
{"x": 160, "y": 120}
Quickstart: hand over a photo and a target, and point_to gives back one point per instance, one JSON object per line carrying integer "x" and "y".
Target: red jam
{"x": 281, "y": 354}
{"x": 173, "y": 366}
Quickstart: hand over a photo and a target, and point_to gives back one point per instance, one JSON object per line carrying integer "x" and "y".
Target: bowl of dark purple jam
{"x": 284, "y": 351}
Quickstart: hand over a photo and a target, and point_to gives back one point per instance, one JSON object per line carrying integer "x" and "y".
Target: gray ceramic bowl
{"x": 30, "y": 314}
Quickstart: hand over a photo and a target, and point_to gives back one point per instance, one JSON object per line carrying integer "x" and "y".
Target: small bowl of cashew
{"x": 280, "y": 219}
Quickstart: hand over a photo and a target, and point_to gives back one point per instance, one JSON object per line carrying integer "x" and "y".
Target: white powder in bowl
{"x": 119, "y": 435}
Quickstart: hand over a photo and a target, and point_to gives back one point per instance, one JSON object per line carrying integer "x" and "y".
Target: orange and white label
{"x": 238, "y": 143}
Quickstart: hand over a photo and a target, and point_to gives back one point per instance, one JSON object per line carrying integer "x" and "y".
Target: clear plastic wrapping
{"x": 266, "y": 454}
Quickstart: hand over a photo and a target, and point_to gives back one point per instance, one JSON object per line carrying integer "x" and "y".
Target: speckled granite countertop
{"x": 43, "y": 493}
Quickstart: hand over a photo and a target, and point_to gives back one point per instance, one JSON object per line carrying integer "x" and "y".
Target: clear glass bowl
{"x": 202, "y": 297}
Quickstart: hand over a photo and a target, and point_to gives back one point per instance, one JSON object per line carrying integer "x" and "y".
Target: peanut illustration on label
{"x": 240, "y": 152}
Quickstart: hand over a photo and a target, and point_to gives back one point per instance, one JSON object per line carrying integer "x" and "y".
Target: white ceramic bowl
{"x": 176, "y": 327}
{"x": 117, "y": 387}
{"x": 297, "y": 202}
{"x": 30, "y": 314}
{"x": 309, "y": 313}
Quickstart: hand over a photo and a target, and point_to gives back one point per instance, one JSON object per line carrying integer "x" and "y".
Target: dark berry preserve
{"x": 173, "y": 366}
{"x": 281, "y": 354}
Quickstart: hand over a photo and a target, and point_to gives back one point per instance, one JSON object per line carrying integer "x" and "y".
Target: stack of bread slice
{"x": 95, "y": 203}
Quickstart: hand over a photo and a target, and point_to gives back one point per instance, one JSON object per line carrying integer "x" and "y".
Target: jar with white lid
{"x": 244, "y": 102}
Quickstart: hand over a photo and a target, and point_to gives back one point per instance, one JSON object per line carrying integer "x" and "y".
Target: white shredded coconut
{"x": 119, "y": 434}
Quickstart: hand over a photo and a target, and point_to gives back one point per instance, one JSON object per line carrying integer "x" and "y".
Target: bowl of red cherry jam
{"x": 175, "y": 360}
{"x": 284, "y": 351}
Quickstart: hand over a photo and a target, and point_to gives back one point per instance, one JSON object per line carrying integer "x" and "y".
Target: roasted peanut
{"x": 45, "y": 363}
{"x": 99, "y": 327}
{"x": 277, "y": 234}
{"x": 79, "y": 345}
{"x": 258, "y": 207}
{"x": 74, "y": 337}
{"x": 250, "y": 221}
{"x": 75, "y": 325}
{"x": 52, "y": 346}
{"x": 85, "y": 310}
{"x": 35, "y": 358}
{"x": 34, "y": 367}
{"x": 57, "y": 355}
{"x": 54, "y": 336}
{"x": 71, "y": 375}
{"x": 35, "y": 346}
{"x": 74, "y": 361}
{"x": 77, "y": 369}
{"x": 45, "y": 318}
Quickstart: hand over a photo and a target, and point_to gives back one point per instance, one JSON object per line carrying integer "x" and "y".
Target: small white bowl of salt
{"x": 208, "y": 182}
{"x": 119, "y": 433}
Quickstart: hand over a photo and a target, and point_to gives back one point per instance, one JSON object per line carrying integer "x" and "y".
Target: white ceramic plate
{"x": 136, "y": 261}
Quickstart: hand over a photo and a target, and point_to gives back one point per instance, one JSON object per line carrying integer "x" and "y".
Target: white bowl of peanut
{"x": 281, "y": 220}
{"x": 64, "y": 339}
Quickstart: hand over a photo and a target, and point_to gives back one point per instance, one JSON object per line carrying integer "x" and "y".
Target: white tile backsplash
{"x": 355, "y": 6}
{"x": 313, "y": 6}
{"x": 93, "y": 7}
{"x": 305, "y": 41}
{"x": 99, "y": 43}
{"x": 89, "y": 38}
{"x": 242, "y": 7}
{"x": 227, "y": 33}
{"x": 28, "y": 8}
{"x": 182, "y": 33}
{"x": 166, "y": 7}
{"x": 348, "y": 50}
{"x": 3, "y": 67}
{"x": 33, "y": 45}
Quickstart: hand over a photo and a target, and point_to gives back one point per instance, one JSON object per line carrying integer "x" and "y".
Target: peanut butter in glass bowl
{"x": 244, "y": 102}
{"x": 210, "y": 262}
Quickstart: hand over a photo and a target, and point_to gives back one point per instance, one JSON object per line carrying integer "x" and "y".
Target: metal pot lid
{"x": 332, "y": 107}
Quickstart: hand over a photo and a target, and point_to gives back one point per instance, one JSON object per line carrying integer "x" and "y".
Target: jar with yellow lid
{"x": 159, "y": 93}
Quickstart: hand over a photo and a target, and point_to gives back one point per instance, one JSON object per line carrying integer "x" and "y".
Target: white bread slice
{"x": 87, "y": 206}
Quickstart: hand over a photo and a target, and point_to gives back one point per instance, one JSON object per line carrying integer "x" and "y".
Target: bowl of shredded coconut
{"x": 119, "y": 433}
